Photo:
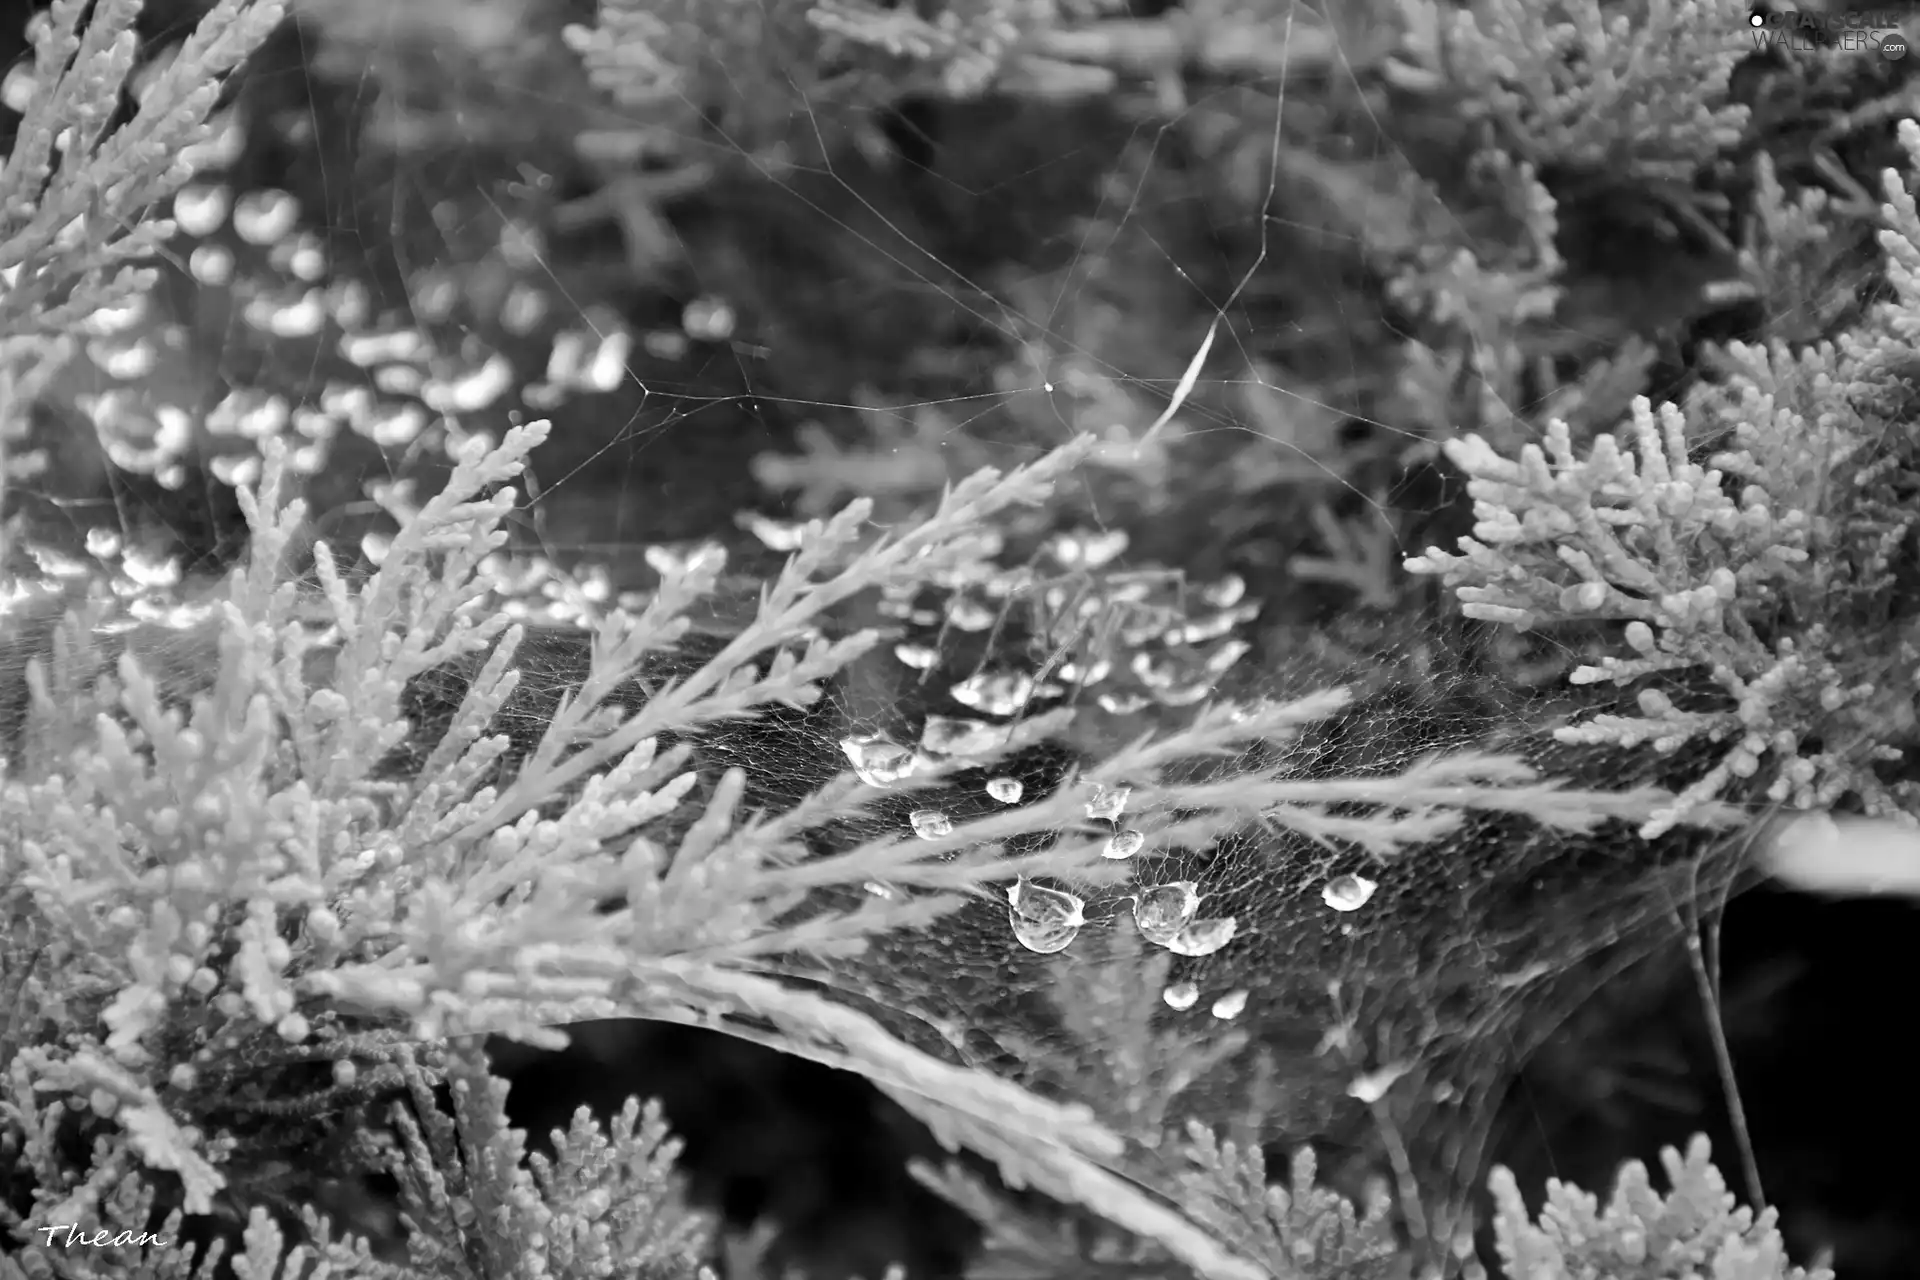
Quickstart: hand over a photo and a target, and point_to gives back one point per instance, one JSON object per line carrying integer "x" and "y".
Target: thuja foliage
{"x": 255, "y": 920}
{"x": 1696, "y": 1228}
{"x": 1755, "y": 542}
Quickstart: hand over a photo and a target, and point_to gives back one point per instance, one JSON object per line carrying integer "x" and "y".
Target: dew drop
{"x": 1087, "y": 548}
{"x": 708, "y": 320}
{"x": 524, "y": 308}
{"x": 394, "y": 379}
{"x": 199, "y": 210}
{"x": 211, "y": 265}
{"x": 1001, "y": 693}
{"x": 1185, "y": 695}
{"x": 608, "y": 368}
{"x": 1203, "y": 937}
{"x": 1108, "y": 803}
{"x": 103, "y": 543}
{"x": 920, "y": 657}
{"x": 1181, "y": 995}
{"x": 392, "y": 428}
{"x": 1348, "y": 893}
{"x": 931, "y": 824}
{"x": 1006, "y": 790}
{"x": 1162, "y": 911}
{"x": 19, "y": 89}
{"x": 1035, "y": 902}
{"x": 879, "y": 889}
{"x": 262, "y": 217}
{"x": 1226, "y": 655}
{"x": 1094, "y": 672}
{"x": 1371, "y": 1086}
{"x": 1041, "y": 937}
{"x": 120, "y": 318}
{"x": 1229, "y": 1005}
{"x": 473, "y": 391}
{"x": 1216, "y": 625}
{"x": 151, "y": 571}
{"x": 235, "y": 469}
{"x": 1043, "y": 920}
{"x": 1156, "y": 671}
{"x": 957, "y": 736}
{"x": 967, "y": 614}
{"x": 308, "y": 259}
{"x": 1225, "y": 593}
{"x": 1123, "y": 844}
{"x": 666, "y": 344}
{"x": 878, "y": 759}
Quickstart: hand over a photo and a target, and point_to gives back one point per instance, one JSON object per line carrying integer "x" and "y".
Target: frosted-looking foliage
{"x": 1113, "y": 830}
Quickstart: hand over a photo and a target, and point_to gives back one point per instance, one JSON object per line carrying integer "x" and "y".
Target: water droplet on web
{"x": 1041, "y": 936}
{"x": 1203, "y": 937}
{"x": 931, "y": 824}
{"x": 103, "y": 544}
{"x": 968, "y": 614}
{"x": 1229, "y": 1005}
{"x": 1162, "y": 911}
{"x": 1348, "y": 893}
{"x": 1001, "y": 693}
{"x": 918, "y": 656}
{"x": 1181, "y": 995}
{"x": 1108, "y": 803}
{"x": 1006, "y": 790}
{"x": 956, "y": 736}
{"x": 879, "y": 890}
{"x": 1043, "y": 920}
{"x": 878, "y": 759}
{"x": 1123, "y": 844}
{"x": 1039, "y": 903}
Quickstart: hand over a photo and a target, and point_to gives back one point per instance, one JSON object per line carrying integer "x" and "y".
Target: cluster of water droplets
{"x": 400, "y": 377}
{"x": 1080, "y": 628}
{"x": 1132, "y": 639}
{"x": 1128, "y": 640}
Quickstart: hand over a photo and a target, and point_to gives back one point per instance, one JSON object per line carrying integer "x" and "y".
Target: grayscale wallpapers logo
{"x": 1862, "y": 30}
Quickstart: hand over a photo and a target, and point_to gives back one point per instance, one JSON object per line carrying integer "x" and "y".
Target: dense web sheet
{"x": 390, "y": 309}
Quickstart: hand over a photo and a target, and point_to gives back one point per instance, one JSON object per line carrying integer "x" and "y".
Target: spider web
{"x": 379, "y": 261}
